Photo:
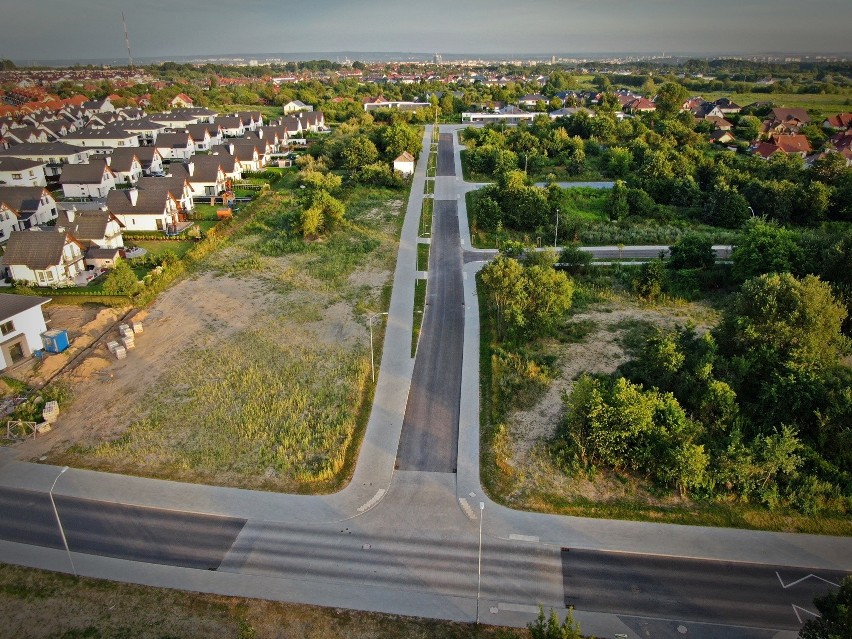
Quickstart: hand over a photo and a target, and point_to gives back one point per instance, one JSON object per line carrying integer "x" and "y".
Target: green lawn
{"x": 422, "y": 257}
{"x": 206, "y": 211}
{"x": 419, "y": 309}
{"x": 827, "y": 104}
{"x": 159, "y": 247}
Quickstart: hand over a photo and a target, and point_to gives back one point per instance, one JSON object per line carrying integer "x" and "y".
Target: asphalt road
{"x": 116, "y": 530}
{"x": 430, "y": 428}
{"x": 446, "y": 156}
{"x": 689, "y": 590}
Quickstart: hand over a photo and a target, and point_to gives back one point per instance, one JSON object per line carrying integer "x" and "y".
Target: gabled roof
{"x": 180, "y": 140}
{"x": 42, "y": 149}
{"x": 24, "y": 200}
{"x": 787, "y": 115}
{"x": 839, "y": 121}
{"x": 146, "y": 154}
{"x": 121, "y": 160}
{"x": 405, "y": 156}
{"x": 90, "y": 173}
{"x": 792, "y": 143}
{"x": 36, "y": 249}
{"x": 148, "y": 201}
{"x": 205, "y": 169}
{"x": 18, "y": 164}
{"x": 765, "y": 149}
{"x": 87, "y": 225}
{"x": 197, "y": 131}
{"x": 11, "y": 305}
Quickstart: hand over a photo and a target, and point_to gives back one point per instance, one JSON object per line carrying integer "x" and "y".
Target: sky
{"x": 92, "y": 29}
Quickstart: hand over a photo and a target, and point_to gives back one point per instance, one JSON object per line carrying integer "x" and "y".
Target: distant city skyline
{"x": 92, "y": 29}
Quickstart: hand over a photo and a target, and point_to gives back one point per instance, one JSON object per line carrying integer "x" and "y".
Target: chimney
{"x": 190, "y": 168}
{"x": 108, "y": 160}
{"x": 134, "y": 196}
{"x": 71, "y": 213}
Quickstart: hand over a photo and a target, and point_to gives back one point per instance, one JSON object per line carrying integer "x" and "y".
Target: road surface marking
{"x": 375, "y": 500}
{"x": 515, "y": 537}
{"x": 798, "y": 581}
{"x": 466, "y": 508}
{"x": 508, "y": 607}
{"x": 796, "y": 609}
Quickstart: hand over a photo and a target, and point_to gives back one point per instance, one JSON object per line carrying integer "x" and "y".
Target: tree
{"x": 726, "y": 207}
{"x": 649, "y": 283}
{"x": 550, "y": 628}
{"x": 549, "y": 295}
{"x": 503, "y": 281}
{"x": 692, "y": 251}
{"x": 397, "y": 138}
{"x": 322, "y": 211}
{"x": 358, "y": 153}
{"x": 121, "y": 280}
{"x": 777, "y": 321}
{"x": 670, "y": 99}
{"x": 616, "y": 205}
{"x": 766, "y": 248}
{"x": 835, "y": 621}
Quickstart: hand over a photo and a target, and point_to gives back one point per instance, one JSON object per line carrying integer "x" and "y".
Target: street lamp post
{"x": 372, "y": 356}
{"x": 479, "y": 563}
{"x": 59, "y": 521}
{"x": 556, "y": 232}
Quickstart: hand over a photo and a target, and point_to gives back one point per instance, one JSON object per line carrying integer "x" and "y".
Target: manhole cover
{"x": 682, "y": 629}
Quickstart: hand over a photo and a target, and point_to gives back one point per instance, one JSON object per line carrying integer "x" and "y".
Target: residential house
{"x": 640, "y": 105}
{"x": 567, "y": 112}
{"x": 181, "y": 101}
{"x": 251, "y": 119}
{"x": 404, "y": 163}
{"x": 8, "y": 221}
{"x": 312, "y": 120}
{"x": 149, "y": 157}
{"x": 201, "y": 115}
{"x": 765, "y": 150}
{"x": 230, "y": 164}
{"x": 21, "y": 325}
{"x": 727, "y": 106}
{"x": 246, "y": 156}
{"x": 797, "y": 144}
{"x": 53, "y": 155}
{"x": 785, "y": 121}
{"x": 294, "y": 106}
{"x": 151, "y": 209}
{"x": 21, "y": 172}
{"x": 99, "y": 231}
{"x": 145, "y": 130}
{"x": 838, "y": 122}
{"x": 126, "y": 166}
{"x": 719, "y": 123}
{"x": 175, "y": 146}
{"x": 722, "y": 136}
{"x": 174, "y": 121}
{"x": 29, "y": 135}
{"x": 102, "y": 140}
{"x": 31, "y": 206}
{"x": 204, "y": 174}
{"x": 92, "y": 107}
{"x": 231, "y": 126}
{"x": 706, "y": 110}
{"x": 251, "y": 146}
{"x": 43, "y": 259}
{"x": 531, "y": 100}
{"x": 205, "y": 135}
{"x": 175, "y": 184}
{"x": 93, "y": 180}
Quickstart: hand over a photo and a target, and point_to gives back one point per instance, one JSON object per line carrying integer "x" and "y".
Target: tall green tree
{"x": 835, "y": 620}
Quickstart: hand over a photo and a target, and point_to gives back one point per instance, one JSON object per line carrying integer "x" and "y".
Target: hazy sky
{"x": 85, "y": 29}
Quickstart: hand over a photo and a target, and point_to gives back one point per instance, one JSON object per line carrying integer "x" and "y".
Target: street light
{"x": 556, "y": 232}
{"x": 372, "y": 356}
{"x": 752, "y": 212}
{"x": 58, "y": 521}
{"x": 479, "y": 566}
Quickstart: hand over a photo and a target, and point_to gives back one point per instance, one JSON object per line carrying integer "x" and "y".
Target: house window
{"x": 7, "y": 327}
{"x": 16, "y": 176}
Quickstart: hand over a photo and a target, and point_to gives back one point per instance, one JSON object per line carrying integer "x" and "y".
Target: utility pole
{"x": 556, "y": 232}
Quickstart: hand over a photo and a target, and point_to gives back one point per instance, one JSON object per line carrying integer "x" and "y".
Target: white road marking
{"x": 531, "y": 538}
{"x": 796, "y": 609}
{"x": 466, "y": 508}
{"x": 798, "y": 581}
{"x": 375, "y": 500}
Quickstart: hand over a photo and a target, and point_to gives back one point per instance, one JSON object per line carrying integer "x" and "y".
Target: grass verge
{"x": 422, "y": 256}
{"x": 426, "y": 217}
{"x": 38, "y": 603}
{"x": 419, "y": 309}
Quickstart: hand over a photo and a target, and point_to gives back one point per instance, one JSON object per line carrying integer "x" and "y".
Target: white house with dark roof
{"x": 294, "y": 106}
{"x": 93, "y": 180}
{"x": 232, "y": 126}
{"x": 101, "y": 140}
{"x": 145, "y": 209}
{"x": 204, "y": 175}
{"x": 145, "y": 130}
{"x": 21, "y": 325}
{"x": 21, "y": 172}
{"x": 53, "y": 155}
{"x": 177, "y": 185}
{"x": 125, "y": 165}
{"x": 43, "y": 258}
{"x": 149, "y": 157}
{"x": 175, "y": 146}
{"x": 8, "y": 221}
{"x": 31, "y": 205}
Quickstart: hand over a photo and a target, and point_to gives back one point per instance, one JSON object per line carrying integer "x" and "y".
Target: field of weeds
{"x": 271, "y": 386}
